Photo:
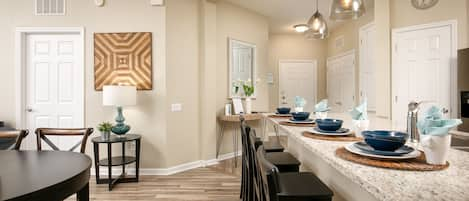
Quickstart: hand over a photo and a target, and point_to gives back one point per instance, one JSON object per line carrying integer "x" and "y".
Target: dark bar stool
{"x": 290, "y": 186}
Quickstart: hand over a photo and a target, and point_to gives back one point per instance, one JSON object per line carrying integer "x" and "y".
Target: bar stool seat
{"x": 302, "y": 186}
{"x": 269, "y": 146}
{"x": 284, "y": 161}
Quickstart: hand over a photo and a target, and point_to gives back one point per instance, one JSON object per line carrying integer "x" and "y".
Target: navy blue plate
{"x": 302, "y": 121}
{"x": 341, "y": 130}
{"x": 367, "y": 148}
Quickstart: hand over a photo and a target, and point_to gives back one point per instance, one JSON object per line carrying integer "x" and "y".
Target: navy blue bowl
{"x": 300, "y": 116}
{"x": 329, "y": 124}
{"x": 283, "y": 110}
{"x": 385, "y": 140}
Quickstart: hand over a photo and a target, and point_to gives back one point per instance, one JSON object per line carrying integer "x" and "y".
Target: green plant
{"x": 105, "y": 127}
{"x": 248, "y": 89}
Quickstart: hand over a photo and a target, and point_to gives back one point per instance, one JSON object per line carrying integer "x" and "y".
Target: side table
{"x": 111, "y": 161}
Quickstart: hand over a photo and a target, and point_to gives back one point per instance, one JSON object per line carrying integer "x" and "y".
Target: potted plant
{"x": 105, "y": 129}
{"x": 248, "y": 88}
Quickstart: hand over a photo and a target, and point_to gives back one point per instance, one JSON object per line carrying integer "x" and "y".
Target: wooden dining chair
{"x": 42, "y": 133}
{"x": 13, "y": 137}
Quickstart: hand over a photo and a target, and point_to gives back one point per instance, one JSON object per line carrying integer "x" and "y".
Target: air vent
{"x": 50, "y": 7}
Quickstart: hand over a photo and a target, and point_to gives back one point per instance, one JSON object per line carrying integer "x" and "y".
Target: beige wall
{"x": 244, "y": 25}
{"x": 296, "y": 47}
{"x": 403, "y": 14}
{"x": 148, "y": 117}
{"x": 182, "y": 80}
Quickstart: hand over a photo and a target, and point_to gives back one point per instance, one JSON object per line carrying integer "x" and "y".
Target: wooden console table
{"x": 234, "y": 120}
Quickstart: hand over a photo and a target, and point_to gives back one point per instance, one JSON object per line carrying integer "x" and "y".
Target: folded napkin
{"x": 321, "y": 106}
{"x": 360, "y": 112}
{"x": 300, "y": 102}
{"x": 433, "y": 123}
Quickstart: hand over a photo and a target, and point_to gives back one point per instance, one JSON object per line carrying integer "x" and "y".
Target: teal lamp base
{"x": 120, "y": 128}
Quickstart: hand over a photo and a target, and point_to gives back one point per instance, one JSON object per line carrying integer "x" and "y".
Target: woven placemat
{"x": 416, "y": 164}
{"x": 286, "y": 123}
{"x": 279, "y": 116}
{"x": 348, "y": 138}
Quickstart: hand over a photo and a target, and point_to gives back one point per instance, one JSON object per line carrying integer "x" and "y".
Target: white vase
{"x": 436, "y": 148}
{"x": 248, "y": 105}
{"x": 359, "y": 126}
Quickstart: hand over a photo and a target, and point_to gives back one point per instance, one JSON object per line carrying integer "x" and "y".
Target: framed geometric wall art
{"x": 123, "y": 58}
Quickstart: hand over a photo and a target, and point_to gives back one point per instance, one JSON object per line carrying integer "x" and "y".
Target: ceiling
{"x": 283, "y": 14}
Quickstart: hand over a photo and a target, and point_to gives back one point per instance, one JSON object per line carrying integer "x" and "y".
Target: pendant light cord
{"x": 317, "y": 5}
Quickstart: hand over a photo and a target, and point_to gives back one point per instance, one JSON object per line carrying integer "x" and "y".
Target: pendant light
{"x": 317, "y": 26}
{"x": 347, "y": 9}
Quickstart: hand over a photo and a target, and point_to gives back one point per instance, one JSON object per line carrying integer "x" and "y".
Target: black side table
{"x": 116, "y": 160}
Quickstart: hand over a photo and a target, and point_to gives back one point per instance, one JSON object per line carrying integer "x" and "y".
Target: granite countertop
{"x": 387, "y": 184}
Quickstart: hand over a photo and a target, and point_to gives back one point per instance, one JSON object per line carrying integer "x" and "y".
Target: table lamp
{"x": 119, "y": 96}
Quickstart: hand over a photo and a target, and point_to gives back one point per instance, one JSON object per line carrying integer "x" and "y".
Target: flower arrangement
{"x": 248, "y": 88}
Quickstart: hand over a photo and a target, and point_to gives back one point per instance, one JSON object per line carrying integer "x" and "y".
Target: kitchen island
{"x": 356, "y": 182}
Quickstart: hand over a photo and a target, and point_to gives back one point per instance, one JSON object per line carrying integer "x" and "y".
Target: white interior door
{"x": 421, "y": 69}
{"x": 367, "y": 80}
{"x": 54, "y": 84}
{"x": 341, "y": 82}
{"x": 297, "y": 78}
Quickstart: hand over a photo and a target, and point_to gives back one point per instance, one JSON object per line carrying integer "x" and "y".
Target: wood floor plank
{"x": 216, "y": 183}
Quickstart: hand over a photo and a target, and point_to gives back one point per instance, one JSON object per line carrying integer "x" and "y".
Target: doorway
{"x": 297, "y": 78}
{"x": 367, "y": 75}
{"x": 341, "y": 82}
{"x": 50, "y": 74}
{"x": 424, "y": 68}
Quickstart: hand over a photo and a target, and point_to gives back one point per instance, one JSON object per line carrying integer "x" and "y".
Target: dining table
{"x": 357, "y": 182}
{"x": 44, "y": 175}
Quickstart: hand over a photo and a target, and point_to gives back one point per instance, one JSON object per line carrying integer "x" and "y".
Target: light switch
{"x": 176, "y": 107}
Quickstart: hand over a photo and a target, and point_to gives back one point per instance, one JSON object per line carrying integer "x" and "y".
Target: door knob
{"x": 445, "y": 111}
{"x": 29, "y": 110}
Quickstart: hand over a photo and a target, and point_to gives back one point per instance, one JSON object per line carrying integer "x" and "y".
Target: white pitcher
{"x": 436, "y": 148}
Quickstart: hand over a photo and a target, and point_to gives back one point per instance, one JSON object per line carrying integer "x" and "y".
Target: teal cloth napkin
{"x": 321, "y": 106}
{"x": 360, "y": 112}
{"x": 433, "y": 123}
{"x": 300, "y": 102}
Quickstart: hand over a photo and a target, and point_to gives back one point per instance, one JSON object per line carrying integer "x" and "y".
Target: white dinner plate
{"x": 310, "y": 121}
{"x": 315, "y": 131}
{"x": 351, "y": 148}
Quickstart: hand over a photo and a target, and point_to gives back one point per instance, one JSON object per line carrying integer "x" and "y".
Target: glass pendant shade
{"x": 347, "y": 9}
{"x": 317, "y": 27}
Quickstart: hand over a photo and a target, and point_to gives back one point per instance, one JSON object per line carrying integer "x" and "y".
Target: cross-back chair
{"x": 42, "y": 133}
{"x": 12, "y": 139}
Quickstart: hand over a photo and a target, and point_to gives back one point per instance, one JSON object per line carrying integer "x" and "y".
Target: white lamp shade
{"x": 114, "y": 95}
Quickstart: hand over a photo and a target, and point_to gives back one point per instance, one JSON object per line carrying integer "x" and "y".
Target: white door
{"x": 421, "y": 69}
{"x": 297, "y": 78}
{"x": 54, "y": 84}
{"x": 367, "y": 79}
{"x": 341, "y": 82}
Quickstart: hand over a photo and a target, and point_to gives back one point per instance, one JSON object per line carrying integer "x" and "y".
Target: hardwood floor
{"x": 216, "y": 183}
{"x": 220, "y": 182}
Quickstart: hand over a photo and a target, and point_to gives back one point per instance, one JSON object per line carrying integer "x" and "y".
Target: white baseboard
{"x": 166, "y": 171}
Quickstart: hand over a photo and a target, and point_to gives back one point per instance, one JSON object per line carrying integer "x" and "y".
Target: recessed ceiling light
{"x": 301, "y": 28}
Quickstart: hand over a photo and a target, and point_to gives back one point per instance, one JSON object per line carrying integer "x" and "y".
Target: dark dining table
{"x": 44, "y": 175}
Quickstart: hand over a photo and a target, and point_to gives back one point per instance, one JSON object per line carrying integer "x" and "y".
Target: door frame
{"x": 453, "y": 25}
{"x": 21, "y": 65}
{"x": 361, "y": 31}
{"x": 315, "y": 70}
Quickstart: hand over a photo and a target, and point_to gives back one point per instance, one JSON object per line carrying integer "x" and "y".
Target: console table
{"x": 121, "y": 160}
{"x": 234, "y": 119}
